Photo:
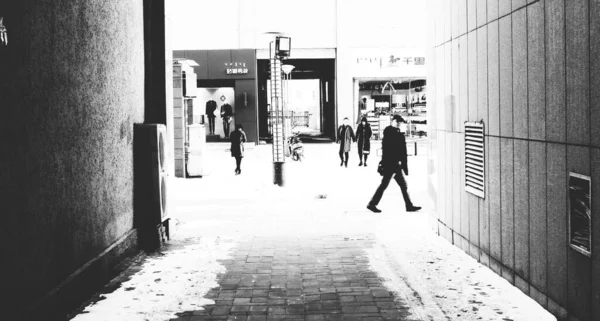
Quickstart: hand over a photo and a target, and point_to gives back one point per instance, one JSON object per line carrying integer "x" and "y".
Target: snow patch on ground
{"x": 174, "y": 281}
{"x": 451, "y": 285}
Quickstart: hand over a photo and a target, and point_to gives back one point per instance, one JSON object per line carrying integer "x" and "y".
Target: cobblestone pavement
{"x": 300, "y": 279}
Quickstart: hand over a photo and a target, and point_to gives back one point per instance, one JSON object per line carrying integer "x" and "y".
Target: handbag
{"x": 380, "y": 168}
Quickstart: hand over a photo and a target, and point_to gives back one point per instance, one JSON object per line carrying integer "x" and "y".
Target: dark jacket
{"x": 345, "y": 136}
{"x": 394, "y": 150}
{"x": 211, "y": 106}
{"x": 226, "y": 111}
{"x": 363, "y": 137}
{"x": 238, "y": 138}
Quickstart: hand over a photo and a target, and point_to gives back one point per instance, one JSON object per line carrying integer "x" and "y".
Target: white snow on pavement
{"x": 167, "y": 284}
{"x": 320, "y": 199}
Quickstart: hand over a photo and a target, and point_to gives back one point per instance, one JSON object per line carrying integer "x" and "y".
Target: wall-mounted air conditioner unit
{"x": 150, "y": 176}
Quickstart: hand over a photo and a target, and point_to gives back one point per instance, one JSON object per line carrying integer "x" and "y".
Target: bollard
{"x": 415, "y": 148}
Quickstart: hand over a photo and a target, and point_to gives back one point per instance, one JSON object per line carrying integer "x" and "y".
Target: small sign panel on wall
{"x": 580, "y": 209}
{"x": 236, "y": 68}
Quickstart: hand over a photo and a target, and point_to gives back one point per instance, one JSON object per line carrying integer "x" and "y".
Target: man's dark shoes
{"x": 360, "y": 164}
{"x": 413, "y": 208}
{"x": 373, "y": 208}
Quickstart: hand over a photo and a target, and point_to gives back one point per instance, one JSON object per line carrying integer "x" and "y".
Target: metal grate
{"x": 475, "y": 158}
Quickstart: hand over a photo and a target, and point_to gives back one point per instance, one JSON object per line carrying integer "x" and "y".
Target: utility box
{"x": 196, "y": 160}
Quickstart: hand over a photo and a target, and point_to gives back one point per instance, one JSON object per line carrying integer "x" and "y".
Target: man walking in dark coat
{"x": 394, "y": 161}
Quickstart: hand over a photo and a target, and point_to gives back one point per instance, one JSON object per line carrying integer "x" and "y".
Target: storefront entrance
{"x": 219, "y": 100}
{"x": 378, "y": 99}
{"x": 310, "y": 99}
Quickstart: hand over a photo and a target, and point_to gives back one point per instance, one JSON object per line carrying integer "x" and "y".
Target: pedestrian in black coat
{"x": 394, "y": 161}
{"x": 238, "y": 138}
{"x": 345, "y": 137}
{"x": 363, "y": 138}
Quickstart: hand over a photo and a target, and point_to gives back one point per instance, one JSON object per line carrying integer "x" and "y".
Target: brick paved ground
{"x": 324, "y": 278}
{"x": 246, "y": 250}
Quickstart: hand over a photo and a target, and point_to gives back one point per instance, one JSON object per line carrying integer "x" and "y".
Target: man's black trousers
{"x": 397, "y": 174}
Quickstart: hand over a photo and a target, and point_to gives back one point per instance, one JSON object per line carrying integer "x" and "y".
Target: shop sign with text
{"x": 236, "y": 68}
{"x": 390, "y": 61}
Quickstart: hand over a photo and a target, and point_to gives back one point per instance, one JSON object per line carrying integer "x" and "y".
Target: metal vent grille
{"x": 475, "y": 158}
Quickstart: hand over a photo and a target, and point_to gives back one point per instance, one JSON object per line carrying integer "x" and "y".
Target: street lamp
{"x": 281, "y": 49}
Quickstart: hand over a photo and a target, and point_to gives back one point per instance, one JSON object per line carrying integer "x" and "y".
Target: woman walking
{"x": 363, "y": 137}
{"x": 238, "y": 138}
{"x": 345, "y": 137}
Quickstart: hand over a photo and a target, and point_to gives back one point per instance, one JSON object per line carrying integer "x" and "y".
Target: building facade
{"x": 527, "y": 71}
{"x": 331, "y": 41}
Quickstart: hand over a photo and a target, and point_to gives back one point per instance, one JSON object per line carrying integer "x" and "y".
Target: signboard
{"x": 580, "y": 209}
{"x": 390, "y": 61}
{"x": 236, "y": 68}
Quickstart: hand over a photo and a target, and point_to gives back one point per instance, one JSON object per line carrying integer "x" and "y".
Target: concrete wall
{"x": 525, "y": 69}
{"x": 71, "y": 88}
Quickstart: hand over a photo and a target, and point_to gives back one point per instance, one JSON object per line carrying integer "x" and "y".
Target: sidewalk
{"x": 244, "y": 249}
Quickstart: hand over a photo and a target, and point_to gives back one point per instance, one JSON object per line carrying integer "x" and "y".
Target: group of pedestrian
{"x": 362, "y": 136}
{"x": 394, "y": 160}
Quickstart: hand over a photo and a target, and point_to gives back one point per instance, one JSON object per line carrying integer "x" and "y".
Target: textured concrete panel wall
{"x": 462, "y": 17}
{"x": 493, "y": 79}
{"x": 536, "y": 73}
{"x": 594, "y": 76}
{"x": 482, "y": 76}
{"x": 537, "y": 221}
{"x": 557, "y": 224}
{"x": 556, "y": 113}
{"x": 504, "y": 7}
{"x": 507, "y": 208}
{"x": 71, "y": 88}
{"x": 493, "y": 199}
{"x": 578, "y": 63}
{"x": 527, "y": 69}
{"x": 481, "y": 12}
{"x": 521, "y": 189}
{"x": 472, "y": 64}
{"x": 519, "y": 58}
{"x": 506, "y": 77}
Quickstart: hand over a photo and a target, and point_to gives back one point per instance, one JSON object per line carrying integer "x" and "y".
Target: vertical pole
{"x": 409, "y": 109}
{"x": 278, "y": 119}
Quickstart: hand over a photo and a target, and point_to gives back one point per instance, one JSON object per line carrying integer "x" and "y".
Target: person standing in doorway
{"x": 238, "y": 138}
{"x": 226, "y": 114}
{"x": 363, "y": 138}
{"x": 394, "y": 162}
{"x": 345, "y": 137}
